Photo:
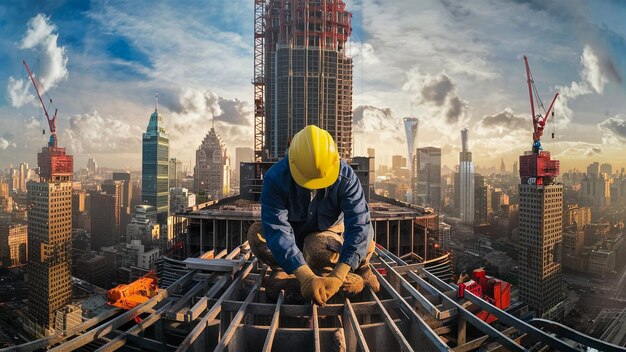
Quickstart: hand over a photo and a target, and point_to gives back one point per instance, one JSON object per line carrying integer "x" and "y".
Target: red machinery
{"x": 537, "y": 168}
{"x": 492, "y": 290}
{"x": 54, "y": 163}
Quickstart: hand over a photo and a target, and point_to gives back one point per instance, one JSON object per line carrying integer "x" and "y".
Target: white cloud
{"x": 192, "y": 112}
{"x": 594, "y": 76}
{"x": 5, "y": 144}
{"x": 41, "y": 37}
{"x": 93, "y": 134}
{"x": 613, "y": 130}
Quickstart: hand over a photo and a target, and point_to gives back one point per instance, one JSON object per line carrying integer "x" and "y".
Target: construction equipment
{"x": 539, "y": 120}
{"x": 259, "y": 78}
{"x": 495, "y": 291}
{"x": 52, "y": 122}
{"x": 128, "y": 296}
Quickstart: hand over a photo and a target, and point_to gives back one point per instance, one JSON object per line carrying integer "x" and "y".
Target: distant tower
{"x": 49, "y": 239}
{"x": 212, "y": 171}
{"x": 466, "y": 179}
{"x": 410, "y": 127}
{"x": 92, "y": 166}
{"x": 502, "y": 167}
{"x": 308, "y": 76}
{"x": 155, "y": 164}
{"x": 540, "y": 234}
{"x": 428, "y": 185}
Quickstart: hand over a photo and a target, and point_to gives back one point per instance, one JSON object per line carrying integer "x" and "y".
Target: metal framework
{"x": 219, "y": 306}
{"x": 259, "y": 78}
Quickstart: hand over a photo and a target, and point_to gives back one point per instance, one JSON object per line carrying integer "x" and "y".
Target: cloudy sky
{"x": 452, "y": 64}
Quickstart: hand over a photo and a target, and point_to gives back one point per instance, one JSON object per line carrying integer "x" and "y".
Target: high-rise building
{"x": 540, "y": 234}
{"x": 502, "y": 167}
{"x": 243, "y": 155}
{"x": 593, "y": 170}
{"x": 24, "y": 176}
{"x": 410, "y": 128}
{"x": 181, "y": 199}
{"x": 482, "y": 200}
{"x": 104, "y": 220}
{"x": 49, "y": 239}
{"x": 212, "y": 171}
{"x": 607, "y": 169}
{"x": 176, "y": 173}
{"x": 515, "y": 171}
{"x": 154, "y": 172}
{"x": 13, "y": 244}
{"x": 428, "y": 177}
{"x": 92, "y": 166}
{"x": 466, "y": 181}
{"x": 596, "y": 186}
{"x": 308, "y": 76}
{"x": 125, "y": 199}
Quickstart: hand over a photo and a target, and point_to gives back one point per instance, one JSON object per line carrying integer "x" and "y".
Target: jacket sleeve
{"x": 276, "y": 229}
{"x": 358, "y": 227}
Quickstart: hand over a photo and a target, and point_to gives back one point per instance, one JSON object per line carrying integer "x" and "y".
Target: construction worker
{"x": 316, "y": 226}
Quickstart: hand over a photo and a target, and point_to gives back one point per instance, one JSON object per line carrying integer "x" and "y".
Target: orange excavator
{"x": 128, "y": 296}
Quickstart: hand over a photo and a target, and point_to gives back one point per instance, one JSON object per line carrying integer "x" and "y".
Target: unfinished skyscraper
{"x": 49, "y": 239}
{"x": 540, "y": 233}
{"x": 308, "y": 77}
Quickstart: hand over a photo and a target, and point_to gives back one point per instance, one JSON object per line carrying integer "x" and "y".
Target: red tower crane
{"x": 52, "y": 122}
{"x": 539, "y": 121}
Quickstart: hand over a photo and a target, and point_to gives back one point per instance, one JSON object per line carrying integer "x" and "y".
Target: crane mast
{"x": 539, "y": 121}
{"x": 259, "y": 77}
{"x": 52, "y": 122}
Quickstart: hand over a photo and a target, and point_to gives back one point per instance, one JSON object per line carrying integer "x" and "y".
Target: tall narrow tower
{"x": 466, "y": 180}
{"x": 410, "y": 127}
{"x": 49, "y": 239}
{"x": 154, "y": 168}
{"x": 308, "y": 77}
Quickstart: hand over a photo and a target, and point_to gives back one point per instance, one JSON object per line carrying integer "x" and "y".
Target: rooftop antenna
{"x": 156, "y": 101}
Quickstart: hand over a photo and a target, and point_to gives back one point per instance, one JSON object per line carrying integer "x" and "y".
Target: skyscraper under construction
{"x": 308, "y": 77}
{"x": 49, "y": 239}
{"x": 540, "y": 234}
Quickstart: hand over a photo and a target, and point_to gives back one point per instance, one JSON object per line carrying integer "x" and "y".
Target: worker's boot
{"x": 365, "y": 271}
{"x": 321, "y": 252}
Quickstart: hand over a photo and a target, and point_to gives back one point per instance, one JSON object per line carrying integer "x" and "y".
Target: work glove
{"x": 317, "y": 288}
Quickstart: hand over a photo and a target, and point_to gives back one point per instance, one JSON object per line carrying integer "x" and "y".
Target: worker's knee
{"x": 321, "y": 250}
{"x": 258, "y": 245}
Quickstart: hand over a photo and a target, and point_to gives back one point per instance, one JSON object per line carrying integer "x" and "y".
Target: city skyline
{"x": 103, "y": 79}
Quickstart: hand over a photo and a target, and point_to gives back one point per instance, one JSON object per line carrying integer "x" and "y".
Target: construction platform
{"x": 220, "y": 304}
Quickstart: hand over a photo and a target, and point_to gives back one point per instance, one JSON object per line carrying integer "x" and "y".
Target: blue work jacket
{"x": 289, "y": 213}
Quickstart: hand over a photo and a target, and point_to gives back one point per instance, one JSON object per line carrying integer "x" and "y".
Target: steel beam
{"x": 316, "y": 328}
{"x": 391, "y": 324}
{"x": 354, "y": 329}
{"x": 215, "y": 310}
{"x": 436, "y": 343}
{"x": 475, "y": 321}
{"x": 269, "y": 340}
{"x": 234, "y": 324}
{"x": 120, "y": 340}
{"x": 504, "y": 317}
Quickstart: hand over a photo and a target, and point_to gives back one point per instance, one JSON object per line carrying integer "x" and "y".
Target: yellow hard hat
{"x": 313, "y": 158}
